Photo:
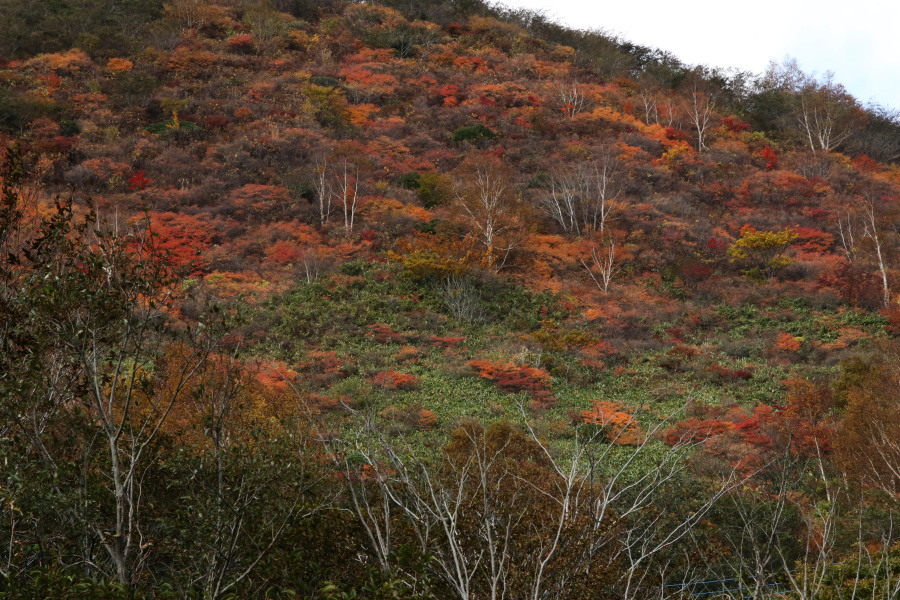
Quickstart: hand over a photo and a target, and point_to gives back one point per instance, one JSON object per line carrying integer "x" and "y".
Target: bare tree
{"x": 346, "y": 191}
{"x": 324, "y": 192}
{"x": 870, "y": 231}
{"x": 603, "y": 262}
{"x": 825, "y": 114}
{"x": 115, "y": 357}
{"x": 861, "y": 236}
{"x": 573, "y": 100}
{"x": 581, "y": 199}
{"x": 488, "y": 201}
{"x": 699, "y": 108}
{"x": 315, "y": 263}
{"x": 504, "y": 514}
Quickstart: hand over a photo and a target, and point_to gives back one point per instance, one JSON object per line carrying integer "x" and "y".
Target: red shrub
{"x": 242, "y": 42}
{"x": 384, "y": 334}
{"x": 735, "y": 125}
{"x": 445, "y": 342}
{"x": 695, "y": 271}
{"x": 321, "y": 368}
{"x": 514, "y": 378}
{"x": 139, "y": 181}
{"x": 730, "y": 374}
{"x": 865, "y": 163}
{"x": 770, "y": 157}
{"x": 854, "y": 285}
{"x": 216, "y": 122}
{"x": 394, "y": 380}
{"x": 813, "y": 240}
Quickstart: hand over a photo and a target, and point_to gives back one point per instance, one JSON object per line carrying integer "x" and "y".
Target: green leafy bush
{"x": 473, "y": 133}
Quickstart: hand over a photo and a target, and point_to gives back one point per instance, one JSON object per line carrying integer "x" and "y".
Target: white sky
{"x": 859, "y": 40}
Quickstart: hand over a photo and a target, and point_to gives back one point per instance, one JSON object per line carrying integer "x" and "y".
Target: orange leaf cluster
{"x": 749, "y": 440}
{"x": 322, "y": 367}
{"x": 361, "y": 77}
{"x": 276, "y": 375}
{"x": 119, "y": 65}
{"x": 412, "y": 416}
{"x": 473, "y": 64}
{"x": 728, "y": 374}
{"x": 787, "y": 343}
{"x": 618, "y": 421}
{"x": 180, "y": 239}
{"x": 813, "y": 240}
{"x": 106, "y": 168}
{"x": 71, "y": 60}
{"x": 241, "y": 42}
{"x": 408, "y": 353}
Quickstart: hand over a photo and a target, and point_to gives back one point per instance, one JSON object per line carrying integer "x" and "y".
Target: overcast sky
{"x": 859, "y": 40}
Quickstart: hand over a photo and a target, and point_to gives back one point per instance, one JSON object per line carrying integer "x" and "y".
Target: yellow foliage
{"x": 753, "y": 242}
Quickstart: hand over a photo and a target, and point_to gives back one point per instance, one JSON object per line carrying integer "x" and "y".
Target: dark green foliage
{"x": 306, "y": 9}
{"x": 880, "y": 138}
{"x": 473, "y": 133}
{"x": 169, "y": 128}
{"x": 51, "y": 584}
{"x": 134, "y": 88}
{"x": 409, "y": 180}
{"x": 321, "y": 81}
{"x": 99, "y": 27}
{"x": 17, "y": 110}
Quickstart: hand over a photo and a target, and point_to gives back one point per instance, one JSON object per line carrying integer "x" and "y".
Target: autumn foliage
{"x": 512, "y": 378}
{"x": 380, "y": 228}
{"x": 618, "y": 422}
{"x": 394, "y": 380}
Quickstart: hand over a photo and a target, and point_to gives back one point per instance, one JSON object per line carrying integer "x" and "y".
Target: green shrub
{"x": 329, "y": 82}
{"x": 473, "y": 133}
{"x": 409, "y": 180}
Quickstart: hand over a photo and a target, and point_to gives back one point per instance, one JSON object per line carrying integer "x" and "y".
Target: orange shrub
{"x": 787, "y": 343}
{"x": 119, "y": 65}
{"x": 321, "y": 367}
{"x": 618, "y": 421}
{"x": 408, "y": 353}
{"x": 413, "y": 416}
{"x": 70, "y": 60}
{"x": 276, "y": 375}
{"x": 426, "y": 419}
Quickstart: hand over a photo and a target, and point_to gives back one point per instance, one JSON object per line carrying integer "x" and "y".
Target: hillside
{"x": 436, "y": 300}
